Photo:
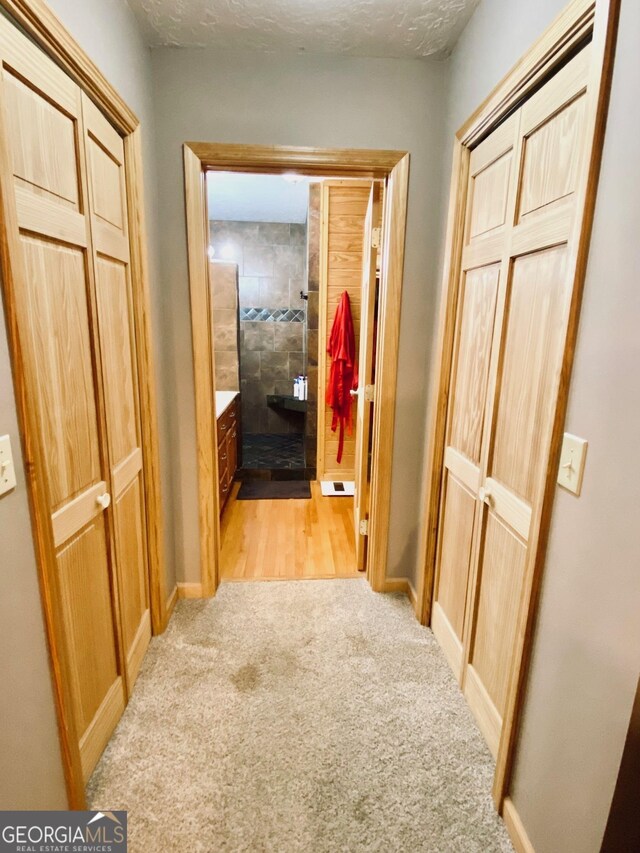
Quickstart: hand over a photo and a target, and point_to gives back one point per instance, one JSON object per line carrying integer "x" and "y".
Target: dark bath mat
{"x": 270, "y": 490}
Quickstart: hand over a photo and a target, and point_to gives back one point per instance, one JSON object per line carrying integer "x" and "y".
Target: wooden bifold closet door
{"x": 513, "y": 303}
{"x": 104, "y": 152}
{"x": 73, "y": 313}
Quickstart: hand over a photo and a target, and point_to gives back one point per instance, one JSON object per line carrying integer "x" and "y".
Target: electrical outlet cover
{"x": 572, "y": 457}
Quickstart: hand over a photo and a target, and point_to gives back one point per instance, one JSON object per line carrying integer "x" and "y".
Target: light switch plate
{"x": 7, "y": 470}
{"x": 572, "y": 457}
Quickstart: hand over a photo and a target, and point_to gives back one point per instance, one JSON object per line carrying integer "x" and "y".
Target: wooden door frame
{"x": 391, "y": 166}
{"x": 38, "y": 21}
{"x": 581, "y": 20}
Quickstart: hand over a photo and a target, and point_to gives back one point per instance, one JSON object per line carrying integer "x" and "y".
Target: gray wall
{"x": 31, "y": 775}
{"x": 302, "y": 100}
{"x": 31, "y": 767}
{"x": 585, "y": 659}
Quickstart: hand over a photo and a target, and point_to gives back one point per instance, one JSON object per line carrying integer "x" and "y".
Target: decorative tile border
{"x": 272, "y": 315}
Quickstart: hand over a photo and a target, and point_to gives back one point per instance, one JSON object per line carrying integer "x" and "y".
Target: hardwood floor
{"x": 288, "y": 539}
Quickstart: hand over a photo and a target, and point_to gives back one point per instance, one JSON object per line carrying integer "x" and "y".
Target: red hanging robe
{"x": 344, "y": 370}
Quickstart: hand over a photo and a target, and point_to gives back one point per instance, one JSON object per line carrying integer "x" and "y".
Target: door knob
{"x": 104, "y": 500}
{"x": 485, "y": 496}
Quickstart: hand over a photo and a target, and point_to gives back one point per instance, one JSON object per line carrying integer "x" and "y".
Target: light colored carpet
{"x": 299, "y": 716}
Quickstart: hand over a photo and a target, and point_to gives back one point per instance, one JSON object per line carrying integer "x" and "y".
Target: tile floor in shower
{"x": 273, "y": 451}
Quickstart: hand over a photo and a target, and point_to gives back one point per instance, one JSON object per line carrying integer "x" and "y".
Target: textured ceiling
{"x": 384, "y": 28}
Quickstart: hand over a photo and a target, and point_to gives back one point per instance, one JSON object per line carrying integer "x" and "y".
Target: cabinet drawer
{"x": 227, "y": 422}
{"x": 224, "y": 487}
{"x": 223, "y": 457}
{"x": 223, "y": 426}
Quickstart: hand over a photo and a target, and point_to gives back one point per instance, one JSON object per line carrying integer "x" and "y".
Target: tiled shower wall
{"x": 271, "y": 259}
{"x": 224, "y": 285}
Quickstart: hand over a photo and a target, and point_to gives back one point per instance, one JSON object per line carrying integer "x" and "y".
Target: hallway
{"x": 299, "y": 716}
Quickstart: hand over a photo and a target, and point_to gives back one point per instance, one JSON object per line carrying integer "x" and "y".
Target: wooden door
{"x": 527, "y": 361}
{"x": 365, "y": 372}
{"x": 104, "y": 152}
{"x": 55, "y": 310}
{"x": 491, "y": 191}
{"x": 343, "y": 208}
{"x": 512, "y": 317}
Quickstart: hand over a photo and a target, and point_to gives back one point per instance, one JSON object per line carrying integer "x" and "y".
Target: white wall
{"x": 585, "y": 660}
{"x": 302, "y": 100}
{"x": 31, "y": 766}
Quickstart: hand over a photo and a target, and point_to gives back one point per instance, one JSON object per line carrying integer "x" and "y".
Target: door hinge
{"x": 364, "y": 527}
{"x": 369, "y": 393}
{"x": 375, "y": 238}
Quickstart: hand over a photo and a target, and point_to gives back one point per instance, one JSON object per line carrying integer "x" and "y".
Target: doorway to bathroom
{"x": 262, "y": 231}
{"x": 223, "y": 449}
{"x": 294, "y": 280}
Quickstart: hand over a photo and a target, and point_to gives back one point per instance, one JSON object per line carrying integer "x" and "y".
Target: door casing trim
{"x": 39, "y": 22}
{"x": 582, "y": 19}
{"x": 391, "y": 166}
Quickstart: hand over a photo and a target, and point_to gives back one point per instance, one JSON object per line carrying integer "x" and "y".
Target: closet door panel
{"x": 553, "y": 125}
{"x": 55, "y": 315}
{"x": 489, "y": 192}
{"x": 489, "y": 196}
{"x": 462, "y": 457}
{"x": 531, "y": 353}
{"x": 56, "y": 290}
{"x": 115, "y": 342}
{"x": 472, "y": 363}
{"x": 107, "y": 202}
{"x": 490, "y": 184}
{"x": 553, "y": 146}
{"x": 136, "y": 626}
{"x": 532, "y": 342}
{"x": 42, "y": 139}
{"x": 527, "y": 374}
{"x": 457, "y": 529}
{"x": 83, "y": 575}
{"x": 497, "y": 604}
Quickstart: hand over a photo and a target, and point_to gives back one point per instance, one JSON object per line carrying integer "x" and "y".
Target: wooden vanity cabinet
{"x": 227, "y": 450}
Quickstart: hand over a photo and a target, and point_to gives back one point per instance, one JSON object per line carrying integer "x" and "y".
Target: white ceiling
{"x": 238, "y": 197}
{"x": 384, "y": 28}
